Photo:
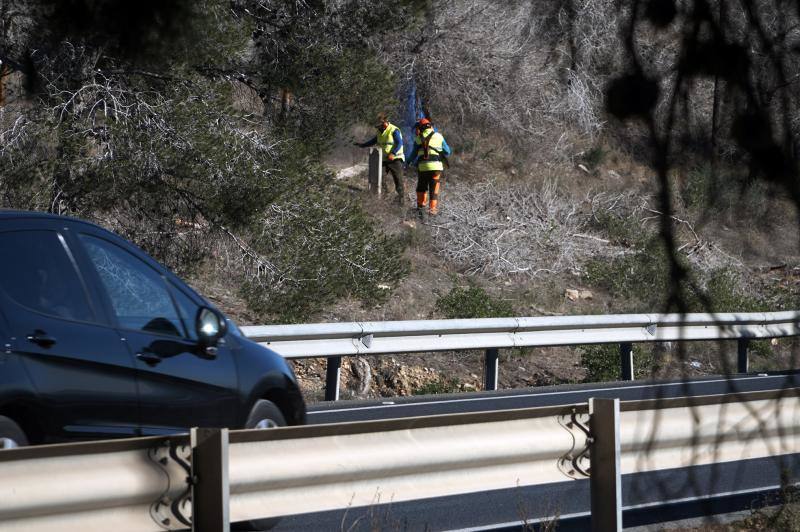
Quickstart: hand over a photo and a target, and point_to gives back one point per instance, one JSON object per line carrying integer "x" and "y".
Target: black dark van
{"x": 98, "y": 340}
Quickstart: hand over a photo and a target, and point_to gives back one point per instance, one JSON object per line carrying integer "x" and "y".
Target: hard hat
{"x": 422, "y": 123}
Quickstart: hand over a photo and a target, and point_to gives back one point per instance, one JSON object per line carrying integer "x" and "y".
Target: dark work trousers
{"x": 428, "y": 190}
{"x": 396, "y": 169}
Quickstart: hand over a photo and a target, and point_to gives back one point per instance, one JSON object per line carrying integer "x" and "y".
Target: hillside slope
{"x": 552, "y": 245}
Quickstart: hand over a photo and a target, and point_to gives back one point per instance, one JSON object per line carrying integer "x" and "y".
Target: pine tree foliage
{"x": 180, "y": 122}
{"x": 134, "y": 118}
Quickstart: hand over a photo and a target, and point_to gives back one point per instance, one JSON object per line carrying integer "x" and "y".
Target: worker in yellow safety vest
{"x": 430, "y": 157}
{"x": 390, "y": 140}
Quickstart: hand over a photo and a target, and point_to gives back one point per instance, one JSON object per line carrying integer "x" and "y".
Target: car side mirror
{"x": 211, "y": 326}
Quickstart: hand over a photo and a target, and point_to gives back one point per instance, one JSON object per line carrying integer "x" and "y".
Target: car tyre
{"x": 11, "y": 435}
{"x": 264, "y": 415}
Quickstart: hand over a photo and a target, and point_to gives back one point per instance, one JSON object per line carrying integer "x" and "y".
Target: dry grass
{"x": 495, "y": 229}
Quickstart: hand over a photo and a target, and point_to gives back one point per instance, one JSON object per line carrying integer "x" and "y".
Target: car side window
{"x": 38, "y": 273}
{"x": 188, "y": 310}
{"x": 138, "y": 294}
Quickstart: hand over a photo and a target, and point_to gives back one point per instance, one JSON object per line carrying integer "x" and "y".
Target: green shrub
{"x": 323, "y": 247}
{"x": 602, "y": 362}
{"x": 731, "y": 191}
{"x": 472, "y": 302}
{"x": 440, "y": 385}
{"x": 180, "y": 154}
{"x": 639, "y": 280}
{"x": 724, "y": 293}
{"x": 760, "y": 350}
{"x": 698, "y": 190}
{"x": 594, "y": 157}
{"x": 621, "y": 230}
{"x": 781, "y": 295}
{"x": 753, "y": 202}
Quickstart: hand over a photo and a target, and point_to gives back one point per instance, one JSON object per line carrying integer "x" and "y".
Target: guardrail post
{"x": 743, "y": 361}
{"x": 375, "y": 171}
{"x": 626, "y": 361}
{"x": 210, "y": 488}
{"x": 332, "y": 378}
{"x": 491, "y": 369}
{"x": 605, "y": 477}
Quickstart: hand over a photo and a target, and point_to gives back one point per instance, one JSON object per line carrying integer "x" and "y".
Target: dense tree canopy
{"x": 187, "y": 123}
{"x": 170, "y": 123}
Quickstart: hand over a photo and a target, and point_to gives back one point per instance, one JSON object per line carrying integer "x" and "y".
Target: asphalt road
{"x": 700, "y": 490}
{"x": 738, "y": 485}
{"x": 345, "y": 411}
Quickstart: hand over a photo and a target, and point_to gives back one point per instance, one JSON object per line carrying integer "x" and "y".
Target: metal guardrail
{"x": 334, "y": 340}
{"x": 214, "y": 477}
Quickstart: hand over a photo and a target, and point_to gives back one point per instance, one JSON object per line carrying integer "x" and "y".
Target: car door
{"x": 82, "y": 373}
{"x": 180, "y": 384}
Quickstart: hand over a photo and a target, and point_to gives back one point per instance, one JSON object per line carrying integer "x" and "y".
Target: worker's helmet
{"x": 423, "y": 124}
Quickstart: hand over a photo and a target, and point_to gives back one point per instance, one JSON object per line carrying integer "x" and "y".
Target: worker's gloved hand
{"x": 390, "y": 156}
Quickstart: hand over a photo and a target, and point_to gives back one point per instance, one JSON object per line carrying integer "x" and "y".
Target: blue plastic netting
{"x": 411, "y": 113}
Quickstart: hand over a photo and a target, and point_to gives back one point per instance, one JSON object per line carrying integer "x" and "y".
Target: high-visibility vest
{"x": 433, "y": 163}
{"x": 386, "y": 142}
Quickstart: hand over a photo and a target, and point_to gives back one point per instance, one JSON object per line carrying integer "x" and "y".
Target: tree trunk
{"x": 716, "y": 104}
{"x": 4, "y": 72}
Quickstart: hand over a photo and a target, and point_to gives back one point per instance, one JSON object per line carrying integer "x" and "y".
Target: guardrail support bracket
{"x": 743, "y": 361}
{"x": 605, "y": 475}
{"x": 491, "y": 370}
{"x": 210, "y": 480}
{"x": 332, "y": 378}
{"x": 626, "y": 361}
{"x": 575, "y": 463}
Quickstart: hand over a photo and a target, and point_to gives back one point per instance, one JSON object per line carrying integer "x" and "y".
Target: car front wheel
{"x": 265, "y": 415}
{"x": 11, "y": 435}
